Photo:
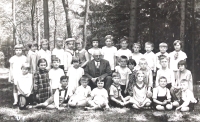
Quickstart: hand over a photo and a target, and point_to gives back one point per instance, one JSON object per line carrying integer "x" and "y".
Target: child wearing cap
{"x": 58, "y": 52}
{"x": 69, "y": 53}
{"x": 44, "y": 53}
{"x": 163, "y": 51}
{"x": 25, "y": 87}
{"x": 109, "y": 51}
{"x": 32, "y": 57}
{"x": 82, "y": 53}
{"x": 16, "y": 62}
{"x": 95, "y": 44}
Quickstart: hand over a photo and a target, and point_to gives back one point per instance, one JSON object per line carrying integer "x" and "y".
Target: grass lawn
{"x": 10, "y": 114}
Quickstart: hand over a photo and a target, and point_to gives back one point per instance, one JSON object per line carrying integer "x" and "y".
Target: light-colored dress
{"x": 32, "y": 60}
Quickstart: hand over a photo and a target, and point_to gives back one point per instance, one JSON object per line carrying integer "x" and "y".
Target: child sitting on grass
{"x": 99, "y": 97}
{"x": 186, "y": 101}
{"x": 116, "y": 98}
{"x": 161, "y": 95}
{"x": 81, "y": 95}
{"x": 139, "y": 98}
{"x": 25, "y": 87}
{"x": 59, "y": 98}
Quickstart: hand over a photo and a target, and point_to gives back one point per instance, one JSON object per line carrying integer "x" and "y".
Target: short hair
{"x": 139, "y": 72}
{"x": 182, "y": 62}
{"x": 142, "y": 59}
{"x": 63, "y": 77}
{"x": 109, "y": 37}
{"x": 163, "y": 44}
{"x": 125, "y": 38}
{"x": 161, "y": 57}
{"x": 55, "y": 59}
{"x": 178, "y": 42}
{"x": 75, "y": 59}
{"x": 184, "y": 81}
{"x": 137, "y": 44}
{"x": 124, "y": 57}
{"x": 99, "y": 80}
{"x": 42, "y": 60}
{"x": 149, "y": 43}
{"x": 26, "y": 65}
{"x": 43, "y": 41}
{"x": 59, "y": 39}
{"x": 18, "y": 46}
{"x": 32, "y": 44}
{"x": 162, "y": 77}
{"x": 84, "y": 77}
{"x": 95, "y": 39}
{"x": 131, "y": 61}
{"x": 116, "y": 74}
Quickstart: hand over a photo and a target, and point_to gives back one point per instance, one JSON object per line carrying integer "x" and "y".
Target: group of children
{"x": 55, "y": 78}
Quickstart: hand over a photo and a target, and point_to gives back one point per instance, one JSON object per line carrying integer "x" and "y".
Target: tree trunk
{"x": 182, "y": 26}
{"x": 55, "y": 20}
{"x": 14, "y": 22}
{"x": 33, "y": 19}
{"x": 193, "y": 42}
{"x": 46, "y": 20}
{"x": 38, "y": 24}
{"x": 133, "y": 21}
{"x": 85, "y": 23}
{"x": 153, "y": 4}
{"x": 68, "y": 27}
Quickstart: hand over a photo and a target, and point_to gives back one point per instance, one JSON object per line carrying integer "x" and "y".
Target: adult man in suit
{"x": 98, "y": 69}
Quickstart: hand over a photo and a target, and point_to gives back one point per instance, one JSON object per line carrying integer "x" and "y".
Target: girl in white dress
{"x": 74, "y": 73}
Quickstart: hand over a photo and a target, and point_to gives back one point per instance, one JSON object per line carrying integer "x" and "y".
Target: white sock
{"x": 15, "y": 95}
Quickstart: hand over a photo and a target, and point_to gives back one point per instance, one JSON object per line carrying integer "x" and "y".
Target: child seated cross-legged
{"x": 161, "y": 95}
{"x": 82, "y": 94}
{"x": 186, "y": 100}
{"x": 139, "y": 98}
{"x": 99, "y": 97}
{"x": 59, "y": 98}
{"x": 116, "y": 98}
{"x": 25, "y": 87}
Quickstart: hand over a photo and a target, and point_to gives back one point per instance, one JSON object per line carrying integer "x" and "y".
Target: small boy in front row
{"x": 186, "y": 100}
{"x": 25, "y": 87}
{"x": 99, "y": 97}
{"x": 116, "y": 98}
{"x": 161, "y": 95}
{"x": 82, "y": 93}
{"x": 60, "y": 96}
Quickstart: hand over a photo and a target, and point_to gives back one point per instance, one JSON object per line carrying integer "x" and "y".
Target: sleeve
{"x": 130, "y": 54}
{"x": 155, "y": 93}
{"x": 106, "y": 93}
{"x": 50, "y": 74}
{"x": 82, "y": 71}
{"x": 11, "y": 60}
{"x": 117, "y": 53}
{"x": 189, "y": 78}
{"x": 111, "y": 91}
{"x": 117, "y": 69}
{"x": 168, "y": 94}
{"x": 102, "y": 51}
{"x": 154, "y": 62}
{"x": 93, "y": 93}
{"x": 78, "y": 90}
{"x": 90, "y": 51}
{"x": 184, "y": 56}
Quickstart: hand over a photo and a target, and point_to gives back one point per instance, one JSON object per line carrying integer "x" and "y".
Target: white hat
{"x": 69, "y": 39}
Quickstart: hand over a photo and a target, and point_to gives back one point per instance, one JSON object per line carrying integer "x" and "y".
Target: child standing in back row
{"x": 109, "y": 51}
{"x": 136, "y": 55}
{"x": 16, "y": 62}
{"x": 95, "y": 44}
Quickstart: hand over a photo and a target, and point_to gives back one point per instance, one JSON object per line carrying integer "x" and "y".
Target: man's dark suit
{"x": 104, "y": 73}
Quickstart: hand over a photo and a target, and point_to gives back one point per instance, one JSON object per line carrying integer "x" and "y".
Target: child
{"x": 69, "y": 53}
{"x": 95, "y": 44}
{"x": 109, "y": 52}
{"x": 187, "y": 100}
{"x": 176, "y": 56}
{"x": 148, "y": 77}
{"x": 124, "y": 72}
{"x": 166, "y": 72}
{"x": 58, "y": 52}
{"x": 150, "y": 57}
{"x": 124, "y": 50}
{"x": 132, "y": 79}
{"x": 59, "y": 98}
{"x": 74, "y": 74}
{"x": 16, "y": 62}
{"x": 41, "y": 82}
{"x": 163, "y": 48}
{"x": 139, "y": 98}
{"x": 99, "y": 97}
{"x": 54, "y": 74}
{"x": 32, "y": 57}
{"x": 136, "y": 55}
{"x": 44, "y": 53}
{"x": 25, "y": 87}
{"x": 82, "y": 54}
{"x": 82, "y": 93}
{"x": 116, "y": 98}
{"x": 161, "y": 95}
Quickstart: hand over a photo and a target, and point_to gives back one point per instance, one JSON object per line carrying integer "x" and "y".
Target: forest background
{"x": 24, "y": 21}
